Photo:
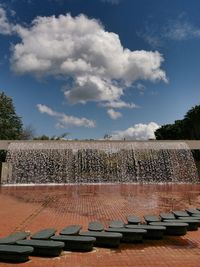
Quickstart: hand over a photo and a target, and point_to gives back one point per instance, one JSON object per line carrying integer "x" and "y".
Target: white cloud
{"x": 114, "y": 114}
{"x": 79, "y": 48}
{"x": 180, "y": 29}
{"x": 5, "y": 26}
{"x": 119, "y": 104}
{"x": 65, "y": 121}
{"x": 138, "y": 131}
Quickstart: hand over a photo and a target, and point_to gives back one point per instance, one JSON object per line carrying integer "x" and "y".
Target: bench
{"x": 95, "y": 226}
{"x": 173, "y": 228}
{"x": 76, "y": 243}
{"x": 104, "y": 239}
{"x": 167, "y": 216}
{"x": 14, "y": 253}
{"x": 129, "y": 235}
{"x": 44, "y": 234}
{"x": 43, "y": 247}
{"x": 132, "y": 219}
{"x": 13, "y": 238}
{"x": 151, "y": 218}
{"x": 71, "y": 230}
{"x": 180, "y": 213}
{"x": 116, "y": 224}
{"x": 153, "y": 232}
{"x": 193, "y": 211}
{"x": 193, "y": 224}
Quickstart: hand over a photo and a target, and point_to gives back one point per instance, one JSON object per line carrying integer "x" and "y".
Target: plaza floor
{"x": 31, "y": 208}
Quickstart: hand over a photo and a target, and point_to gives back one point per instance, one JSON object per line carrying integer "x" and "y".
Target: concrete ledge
{"x": 193, "y": 144}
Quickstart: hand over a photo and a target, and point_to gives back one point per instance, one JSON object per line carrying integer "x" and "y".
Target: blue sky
{"x": 95, "y": 67}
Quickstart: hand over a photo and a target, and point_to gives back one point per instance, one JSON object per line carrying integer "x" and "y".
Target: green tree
{"x": 192, "y": 121}
{"x": 10, "y": 123}
{"x": 187, "y": 128}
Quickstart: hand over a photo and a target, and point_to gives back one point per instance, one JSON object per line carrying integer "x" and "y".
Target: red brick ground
{"x": 35, "y": 207}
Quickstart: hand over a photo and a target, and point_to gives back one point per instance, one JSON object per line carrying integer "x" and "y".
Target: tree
{"x": 192, "y": 121}
{"x": 187, "y": 128}
{"x": 10, "y": 123}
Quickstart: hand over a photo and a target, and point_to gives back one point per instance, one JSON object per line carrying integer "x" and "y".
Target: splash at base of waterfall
{"x": 100, "y": 162}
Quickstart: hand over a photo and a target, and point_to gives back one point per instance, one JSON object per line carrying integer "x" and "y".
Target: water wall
{"x": 100, "y": 162}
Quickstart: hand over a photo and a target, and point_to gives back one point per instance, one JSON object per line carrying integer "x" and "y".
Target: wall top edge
{"x": 193, "y": 144}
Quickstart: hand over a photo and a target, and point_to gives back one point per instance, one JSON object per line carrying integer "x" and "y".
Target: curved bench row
{"x": 17, "y": 248}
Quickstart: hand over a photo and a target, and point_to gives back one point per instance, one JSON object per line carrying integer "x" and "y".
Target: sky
{"x": 92, "y": 68}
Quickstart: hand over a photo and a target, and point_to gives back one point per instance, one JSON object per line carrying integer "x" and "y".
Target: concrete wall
{"x": 193, "y": 144}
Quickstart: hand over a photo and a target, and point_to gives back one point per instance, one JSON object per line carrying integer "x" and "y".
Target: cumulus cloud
{"x": 80, "y": 49}
{"x": 114, "y": 114}
{"x": 138, "y": 131}
{"x": 5, "y": 26}
{"x": 65, "y": 121}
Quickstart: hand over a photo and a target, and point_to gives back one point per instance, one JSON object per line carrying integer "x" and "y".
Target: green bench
{"x": 13, "y": 238}
{"x": 173, "y": 228}
{"x": 95, "y": 226}
{"x": 44, "y": 234}
{"x": 15, "y": 253}
{"x": 43, "y": 247}
{"x": 180, "y": 213}
{"x": 116, "y": 224}
{"x": 152, "y": 218}
{"x": 193, "y": 224}
{"x": 76, "y": 243}
{"x": 104, "y": 239}
{"x": 193, "y": 211}
{"x": 71, "y": 230}
{"x": 132, "y": 219}
{"x": 153, "y": 232}
{"x": 167, "y": 216}
{"x": 129, "y": 235}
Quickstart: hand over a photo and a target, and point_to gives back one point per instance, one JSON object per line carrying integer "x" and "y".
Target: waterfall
{"x": 42, "y": 162}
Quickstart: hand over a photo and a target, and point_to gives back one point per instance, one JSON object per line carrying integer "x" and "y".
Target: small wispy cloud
{"x": 119, "y": 104}
{"x": 6, "y": 28}
{"x": 65, "y": 121}
{"x": 180, "y": 29}
{"x": 114, "y": 115}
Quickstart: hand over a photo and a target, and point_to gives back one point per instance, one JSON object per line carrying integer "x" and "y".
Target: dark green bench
{"x": 104, "y": 239}
{"x": 180, "y": 213}
{"x": 152, "y": 218}
{"x": 44, "y": 234}
{"x": 43, "y": 247}
{"x": 71, "y": 230}
{"x": 167, "y": 216}
{"x": 116, "y": 224}
{"x": 153, "y": 232}
{"x": 193, "y": 211}
{"x": 129, "y": 235}
{"x": 15, "y": 253}
{"x": 132, "y": 219}
{"x": 76, "y": 243}
{"x": 13, "y": 238}
{"x": 95, "y": 226}
{"x": 173, "y": 228}
{"x": 193, "y": 224}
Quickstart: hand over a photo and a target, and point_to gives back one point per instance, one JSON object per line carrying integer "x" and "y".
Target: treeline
{"x": 186, "y": 129}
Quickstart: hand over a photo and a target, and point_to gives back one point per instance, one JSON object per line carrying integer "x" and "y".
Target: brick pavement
{"x": 34, "y": 207}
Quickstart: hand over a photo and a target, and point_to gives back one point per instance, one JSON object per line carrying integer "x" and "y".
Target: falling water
{"x": 100, "y": 162}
